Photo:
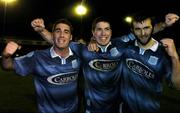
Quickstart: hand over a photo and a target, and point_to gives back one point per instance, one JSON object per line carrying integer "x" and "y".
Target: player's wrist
{"x": 39, "y": 29}
{"x": 164, "y": 25}
{"x": 175, "y": 57}
{"x": 6, "y": 55}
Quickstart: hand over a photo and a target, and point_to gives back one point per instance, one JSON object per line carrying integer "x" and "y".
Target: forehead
{"x": 102, "y": 24}
{"x": 62, "y": 26}
{"x": 146, "y": 22}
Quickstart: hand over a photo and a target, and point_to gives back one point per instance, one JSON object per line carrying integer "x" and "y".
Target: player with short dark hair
{"x": 55, "y": 71}
{"x": 145, "y": 64}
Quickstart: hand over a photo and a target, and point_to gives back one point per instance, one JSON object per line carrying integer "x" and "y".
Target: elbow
{"x": 6, "y": 67}
{"x": 177, "y": 87}
{"x": 176, "y": 84}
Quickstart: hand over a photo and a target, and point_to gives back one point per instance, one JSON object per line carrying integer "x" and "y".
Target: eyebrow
{"x": 60, "y": 29}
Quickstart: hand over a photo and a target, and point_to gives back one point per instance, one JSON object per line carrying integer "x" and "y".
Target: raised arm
{"x": 38, "y": 26}
{"x": 10, "y": 49}
{"x": 170, "y": 19}
{"x": 171, "y": 50}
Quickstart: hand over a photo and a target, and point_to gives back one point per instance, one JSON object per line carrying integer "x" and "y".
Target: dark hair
{"x": 141, "y": 16}
{"x": 64, "y": 21}
{"x": 99, "y": 19}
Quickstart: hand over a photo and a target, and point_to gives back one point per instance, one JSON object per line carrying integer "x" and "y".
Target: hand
{"x": 170, "y": 19}
{"x": 10, "y": 49}
{"x": 169, "y": 47}
{"x": 38, "y": 24}
{"x": 92, "y": 46}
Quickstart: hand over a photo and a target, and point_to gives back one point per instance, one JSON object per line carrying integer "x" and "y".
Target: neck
{"x": 63, "y": 52}
{"x": 104, "y": 47}
{"x": 148, "y": 45}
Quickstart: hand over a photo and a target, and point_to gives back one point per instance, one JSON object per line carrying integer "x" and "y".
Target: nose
{"x": 103, "y": 32}
{"x": 62, "y": 34}
{"x": 142, "y": 31}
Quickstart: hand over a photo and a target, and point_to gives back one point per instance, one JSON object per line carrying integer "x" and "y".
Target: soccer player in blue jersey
{"x": 99, "y": 69}
{"x": 101, "y": 78}
{"x": 146, "y": 63}
{"x": 55, "y": 71}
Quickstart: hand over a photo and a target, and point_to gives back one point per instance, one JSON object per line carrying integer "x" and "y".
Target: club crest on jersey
{"x": 139, "y": 68}
{"x": 63, "y": 78}
{"x": 153, "y": 60}
{"x": 114, "y": 52}
{"x": 103, "y": 65}
{"x": 74, "y": 64}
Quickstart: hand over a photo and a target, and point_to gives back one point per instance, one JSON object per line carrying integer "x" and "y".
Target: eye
{"x": 137, "y": 29}
{"x": 67, "y": 31}
{"x": 98, "y": 29}
{"x": 107, "y": 29}
{"x": 57, "y": 30}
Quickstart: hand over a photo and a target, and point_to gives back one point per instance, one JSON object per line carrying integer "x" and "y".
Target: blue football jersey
{"x": 55, "y": 83}
{"x": 101, "y": 76}
{"x": 142, "y": 73}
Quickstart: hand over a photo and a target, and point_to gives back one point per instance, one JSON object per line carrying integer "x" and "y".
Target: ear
{"x": 131, "y": 30}
{"x": 92, "y": 32}
{"x": 111, "y": 32}
{"x": 71, "y": 37}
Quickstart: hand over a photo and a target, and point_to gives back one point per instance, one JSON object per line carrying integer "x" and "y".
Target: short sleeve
{"x": 24, "y": 65}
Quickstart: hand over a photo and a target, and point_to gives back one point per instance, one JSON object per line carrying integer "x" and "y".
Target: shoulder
{"x": 125, "y": 38}
{"x": 76, "y": 46}
{"x": 39, "y": 53}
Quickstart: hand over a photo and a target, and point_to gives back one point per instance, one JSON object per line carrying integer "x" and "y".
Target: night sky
{"x": 20, "y": 14}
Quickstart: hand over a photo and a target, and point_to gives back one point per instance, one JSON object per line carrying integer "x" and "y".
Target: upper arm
{"x": 46, "y": 35}
{"x": 77, "y": 48}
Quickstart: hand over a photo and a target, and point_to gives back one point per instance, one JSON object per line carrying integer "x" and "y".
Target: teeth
{"x": 61, "y": 41}
{"x": 103, "y": 38}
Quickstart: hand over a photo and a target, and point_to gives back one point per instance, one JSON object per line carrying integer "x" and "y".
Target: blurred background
{"x": 16, "y": 16}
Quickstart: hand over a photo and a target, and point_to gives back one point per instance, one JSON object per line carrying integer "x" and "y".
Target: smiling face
{"x": 143, "y": 31}
{"x": 102, "y": 33}
{"x": 62, "y": 36}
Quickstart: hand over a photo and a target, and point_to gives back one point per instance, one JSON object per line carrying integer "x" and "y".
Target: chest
{"x": 148, "y": 65}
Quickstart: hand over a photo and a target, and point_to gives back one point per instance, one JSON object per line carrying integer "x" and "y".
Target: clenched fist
{"x": 170, "y": 19}
{"x": 38, "y": 24}
{"x": 10, "y": 49}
